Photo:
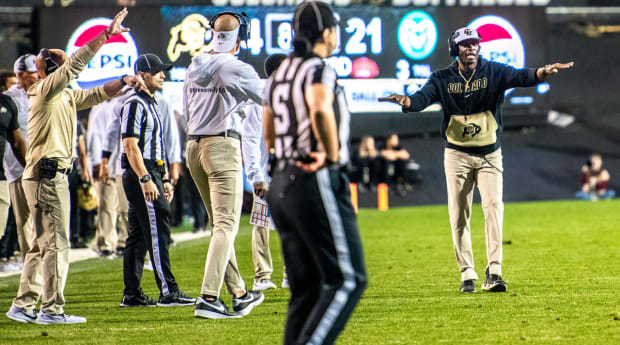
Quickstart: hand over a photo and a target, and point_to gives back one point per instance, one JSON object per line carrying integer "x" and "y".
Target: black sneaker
{"x": 468, "y": 286}
{"x": 493, "y": 283}
{"x": 244, "y": 304}
{"x": 213, "y": 310}
{"x": 138, "y": 301}
{"x": 176, "y": 299}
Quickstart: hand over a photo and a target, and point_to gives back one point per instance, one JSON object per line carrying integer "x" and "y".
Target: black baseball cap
{"x": 312, "y": 17}
{"x": 150, "y": 63}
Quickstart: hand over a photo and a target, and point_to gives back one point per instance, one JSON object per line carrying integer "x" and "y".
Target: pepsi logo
{"x": 417, "y": 35}
{"x": 114, "y": 59}
{"x": 500, "y": 41}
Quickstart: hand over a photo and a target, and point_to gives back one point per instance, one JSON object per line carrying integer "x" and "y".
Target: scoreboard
{"x": 381, "y": 49}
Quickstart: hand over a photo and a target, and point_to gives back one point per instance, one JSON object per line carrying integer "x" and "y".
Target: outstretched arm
{"x": 426, "y": 96}
{"x": 543, "y": 72}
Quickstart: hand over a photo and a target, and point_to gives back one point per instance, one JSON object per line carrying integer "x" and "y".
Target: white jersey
{"x": 98, "y": 119}
{"x": 12, "y": 168}
{"x": 216, "y": 90}
{"x": 253, "y": 144}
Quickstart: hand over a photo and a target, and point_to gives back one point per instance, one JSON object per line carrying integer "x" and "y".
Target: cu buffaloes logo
{"x": 193, "y": 35}
{"x": 471, "y": 129}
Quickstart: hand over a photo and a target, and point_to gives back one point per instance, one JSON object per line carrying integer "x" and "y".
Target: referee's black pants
{"x": 322, "y": 252}
{"x": 149, "y": 229}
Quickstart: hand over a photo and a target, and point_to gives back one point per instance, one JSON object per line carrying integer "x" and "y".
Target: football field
{"x": 561, "y": 263}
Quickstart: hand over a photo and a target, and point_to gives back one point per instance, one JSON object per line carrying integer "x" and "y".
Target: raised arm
{"x": 60, "y": 79}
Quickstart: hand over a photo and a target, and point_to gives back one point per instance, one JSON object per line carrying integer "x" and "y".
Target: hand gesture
{"x": 136, "y": 82}
{"x": 556, "y": 67}
{"x": 260, "y": 188}
{"x": 318, "y": 163}
{"x": 150, "y": 191}
{"x": 104, "y": 173}
{"x": 168, "y": 191}
{"x": 115, "y": 27}
{"x": 401, "y": 100}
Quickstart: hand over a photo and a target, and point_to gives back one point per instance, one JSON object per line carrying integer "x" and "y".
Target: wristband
{"x": 122, "y": 80}
{"x": 166, "y": 181}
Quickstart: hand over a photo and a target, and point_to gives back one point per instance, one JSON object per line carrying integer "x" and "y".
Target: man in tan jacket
{"x": 52, "y": 133}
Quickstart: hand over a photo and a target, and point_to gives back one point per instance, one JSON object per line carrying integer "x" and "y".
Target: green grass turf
{"x": 562, "y": 267}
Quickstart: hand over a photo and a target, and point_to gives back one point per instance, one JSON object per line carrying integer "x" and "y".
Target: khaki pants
{"x": 463, "y": 171}
{"x": 5, "y": 203}
{"x": 122, "y": 210}
{"x": 49, "y": 251}
{"x": 105, "y": 235}
{"x": 22, "y": 216}
{"x": 261, "y": 255}
{"x": 215, "y": 166}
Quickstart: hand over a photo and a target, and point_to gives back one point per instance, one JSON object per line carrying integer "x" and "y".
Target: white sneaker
{"x": 22, "y": 315}
{"x": 285, "y": 284}
{"x": 264, "y": 284}
{"x": 50, "y": 319}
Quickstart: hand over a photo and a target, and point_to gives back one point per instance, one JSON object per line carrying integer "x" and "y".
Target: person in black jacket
{"x": 471, "y": 93}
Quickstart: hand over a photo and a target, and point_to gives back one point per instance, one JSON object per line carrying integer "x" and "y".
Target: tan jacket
{"x": 52, "y": 120}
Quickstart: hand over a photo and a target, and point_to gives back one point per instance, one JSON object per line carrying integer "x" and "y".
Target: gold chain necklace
{"x": 467, "y": 80}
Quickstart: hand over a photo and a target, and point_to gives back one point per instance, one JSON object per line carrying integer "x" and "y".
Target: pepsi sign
{"x": 114, "y": 59}
{"x": 417, "y": 35}
{"x": 500, "y": 41}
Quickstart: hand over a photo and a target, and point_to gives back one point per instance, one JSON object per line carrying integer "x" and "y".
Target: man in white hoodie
{"x": 217, "y": 89}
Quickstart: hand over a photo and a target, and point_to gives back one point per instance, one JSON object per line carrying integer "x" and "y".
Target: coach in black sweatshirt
{"x": 471, "y": 93}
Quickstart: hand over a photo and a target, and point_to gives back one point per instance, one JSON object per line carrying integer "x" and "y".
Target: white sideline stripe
{"x": 344, "y": 259}
{"x": 81, "y": 254}
{"x": 150, "y": 210}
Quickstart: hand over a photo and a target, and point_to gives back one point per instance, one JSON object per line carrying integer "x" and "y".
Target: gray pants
{"x": 463, "y": 171}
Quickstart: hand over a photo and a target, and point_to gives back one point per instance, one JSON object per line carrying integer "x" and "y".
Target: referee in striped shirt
{"x": 148, "y": 191}
{"x": 306, "y": 123}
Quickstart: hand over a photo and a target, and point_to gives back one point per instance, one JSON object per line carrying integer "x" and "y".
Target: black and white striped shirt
{"x": 284, "y": 94}
{"x": 139, "y": 119}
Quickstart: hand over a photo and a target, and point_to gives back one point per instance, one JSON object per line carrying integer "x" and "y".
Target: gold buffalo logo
{"x": 193, "y": 35}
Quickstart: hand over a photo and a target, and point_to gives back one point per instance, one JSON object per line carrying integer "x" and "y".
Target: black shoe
{"x": 468, "y": 286}
{"x": 213, "y": 310}
{"x": 493, "y": 283}
{"x": 175, "y": 299}
{"x": 106, "y": 254}
{"x": 244, "y": 304}
{"x": 120, "y": 251}
{"x": 138, "y": 301}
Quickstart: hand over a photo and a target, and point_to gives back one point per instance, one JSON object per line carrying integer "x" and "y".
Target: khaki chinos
{"x": 5, "y": 204}
{"x": 215, "y": 165}
{"x": 122, "y": 210}
{"x": 261, "y": 255}
{"x": 50, "y": 248}
{"x": 105, "y": 236}
{"x": 463, "y": 171}
{"x": 22, "y": 216}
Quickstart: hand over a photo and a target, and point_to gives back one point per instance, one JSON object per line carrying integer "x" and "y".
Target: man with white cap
{"x": 217, "y": 89}
{"x": 26, "y": 72}
{"x": 10, "y": 131}
{"x": 471, "y": 93}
